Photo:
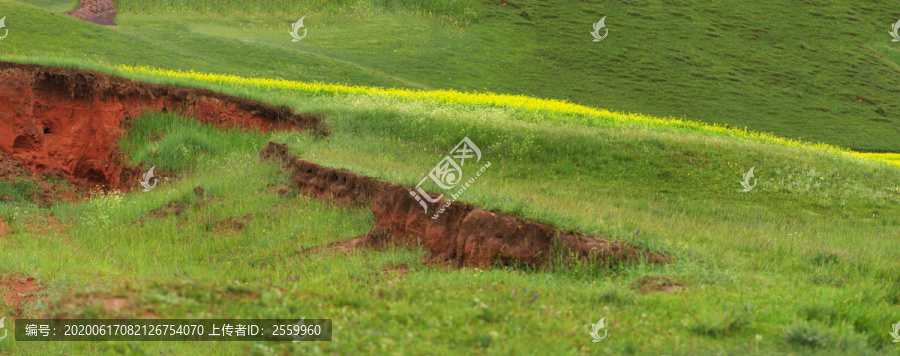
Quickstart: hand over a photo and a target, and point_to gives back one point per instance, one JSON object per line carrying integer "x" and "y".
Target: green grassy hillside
{"x": 805, "y": 71}
{"x": 806, "y": 263}
{"x": 52, "y": 5}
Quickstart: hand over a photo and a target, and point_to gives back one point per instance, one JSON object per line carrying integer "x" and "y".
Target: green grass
{"x": 759, "y": 65}
{"x": 456, "y": 10}
{"x": 19, "y": 190}
{"x": 178, "y": 146}
{"x": 59, "y": 6}
{"x": 804, "y": 264}
{"x": 805, "y": 245}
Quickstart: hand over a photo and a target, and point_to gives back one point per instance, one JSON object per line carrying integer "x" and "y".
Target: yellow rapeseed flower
{"x": 479, "y": 98}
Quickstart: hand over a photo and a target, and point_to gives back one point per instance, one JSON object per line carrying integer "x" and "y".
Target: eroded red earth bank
{"x": 464, "y": 234}
{"x": 69, "y": 120}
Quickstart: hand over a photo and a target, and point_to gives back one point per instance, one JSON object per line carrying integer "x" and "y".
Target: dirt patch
{"x": 34, "y": 187}
{"x": 235, "y": 224}
{"x": 101, "y": 12}
{"x": 69, "y": 121}
{"x": 649, "y": 284}
{"x": 47, "y": 225}
{"x": 280, "y": 188}
{"x": 124, "y": 306}
{"x": 377, "y": 238}
{"x": 398, "y": 271}
{"x": 387, "y": 273}
{"x": 346, "y": 245}
{"x": 114, "y": 305}
{"x": 16, "y": 291}
{"x": 464, "y": 233}
{"x": 240, "y": 293}
{"x": 11, "y": 168}
{"x": 73, "y": 306}
{"x": 173, "y": 208}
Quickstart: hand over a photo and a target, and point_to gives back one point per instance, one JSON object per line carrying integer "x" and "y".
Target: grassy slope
{"x": 809, "y": 256}
{"x": 74, "y": 38}
{"x": 52, "y": 5}
{"x": 760, "y": 65}
{"x": 806, "y": 257}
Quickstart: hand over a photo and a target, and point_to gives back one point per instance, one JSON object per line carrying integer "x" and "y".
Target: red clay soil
{"x": 101, "y": 12}
{"x": 465, "y": 234}
{"x": 69, "y": 120}
{"x": 43, "y": 193}
{"x": 12, "y": 169}
{"x": 15, "y": 290}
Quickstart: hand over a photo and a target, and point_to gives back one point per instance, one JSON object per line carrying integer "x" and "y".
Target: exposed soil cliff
{"x": 69, "y": 120}
{"x": 464, "y": 233}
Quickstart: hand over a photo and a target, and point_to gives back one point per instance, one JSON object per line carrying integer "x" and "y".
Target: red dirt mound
{"x": 464, "y": 233}
{"x": 101, "y": 12}
{"x": 69, "y": 120}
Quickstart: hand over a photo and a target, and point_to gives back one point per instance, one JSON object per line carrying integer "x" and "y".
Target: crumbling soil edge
{"x": 69, "y": 120}
{"x": 464, "y": 234}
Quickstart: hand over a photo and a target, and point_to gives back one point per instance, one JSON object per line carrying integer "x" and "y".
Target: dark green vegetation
{"x": 821, "y": 73}
{"x": 804, "y": 264}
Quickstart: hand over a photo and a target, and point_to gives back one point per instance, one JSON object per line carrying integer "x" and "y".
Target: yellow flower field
{"x": 490, "y": 99}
